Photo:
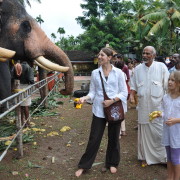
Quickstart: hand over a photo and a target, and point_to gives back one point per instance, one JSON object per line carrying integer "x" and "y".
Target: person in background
{"x": 136, "y": 62}
{"x": 173, "y": 61}
{"x": 131, "y": 69}
{"x": 176, "y": 62}
{"x": 26, "y": 78}
{"x": 171, "y": 126}
{"x": 119, "y": 57}
{"x": 150, "y": 83}
{"x": 160, "y": 59}
{"x": 115, "y": 87}
{"x": 120, "y": 65}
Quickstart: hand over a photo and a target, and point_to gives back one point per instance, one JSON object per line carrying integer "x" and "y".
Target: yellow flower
{"x": 7, "y": 143}
{"x": 53, "y": 133}
{"x": 32, "y": 124}
{"x": 78, "y": 106}
{"x": 34, "y": 143}
{"x": 76, "y": 100}
{"x": 65, "y": 128}
{"x": 38, "y": 130}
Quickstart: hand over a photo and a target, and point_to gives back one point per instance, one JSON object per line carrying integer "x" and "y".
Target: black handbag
{"x": 115, "y": 112}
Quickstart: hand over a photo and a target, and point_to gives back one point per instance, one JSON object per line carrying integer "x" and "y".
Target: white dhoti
{"x": 27, "y": 102}
{"x": 149, "y": 143}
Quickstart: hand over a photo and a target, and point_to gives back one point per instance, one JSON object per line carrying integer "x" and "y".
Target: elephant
{"x": 21, "y": 38}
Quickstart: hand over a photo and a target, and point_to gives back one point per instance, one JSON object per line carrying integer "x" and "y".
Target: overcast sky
{"x": 58, "y": 13}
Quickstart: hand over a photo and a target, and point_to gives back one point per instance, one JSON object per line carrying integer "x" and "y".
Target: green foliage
{"x": 8, "y": 129}
{"x": 24, "y": 2}
{"x": 125, "y": 24}
{"x": 39, "y": 19}
{"x": 52, "y": 103}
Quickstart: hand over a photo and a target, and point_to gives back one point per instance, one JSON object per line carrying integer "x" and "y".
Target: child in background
{"x": 171, "y": 129}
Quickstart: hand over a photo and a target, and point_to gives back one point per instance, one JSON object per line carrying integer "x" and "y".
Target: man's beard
{"x": 145, "y": 60}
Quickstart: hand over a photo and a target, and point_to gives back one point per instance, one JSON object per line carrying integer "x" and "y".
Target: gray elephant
{"x": 21, "y": 38}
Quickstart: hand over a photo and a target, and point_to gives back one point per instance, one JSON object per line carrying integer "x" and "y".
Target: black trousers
{"x": 113, "y": 149}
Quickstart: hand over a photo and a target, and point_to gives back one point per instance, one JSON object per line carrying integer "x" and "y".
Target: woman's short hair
{"x": 107, "y": 51}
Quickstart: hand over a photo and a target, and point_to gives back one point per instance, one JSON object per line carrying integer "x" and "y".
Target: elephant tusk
{"x": 6, "y": 54}
{"x": 48, "y": 64}
{"x": 3, "y": 59}
{"x": 40, "y": 65}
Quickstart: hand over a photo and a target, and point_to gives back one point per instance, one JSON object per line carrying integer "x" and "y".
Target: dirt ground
{"x": 67, "y": 148}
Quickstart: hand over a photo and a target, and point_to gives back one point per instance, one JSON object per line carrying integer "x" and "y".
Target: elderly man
{"x": 150, "y": 82}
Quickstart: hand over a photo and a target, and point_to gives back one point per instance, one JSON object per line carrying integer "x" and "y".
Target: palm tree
{"x": 53, "y": 36}
{"x": 166, "y": 18}
{"x": 23, "y": 2}
{"x": 39, "y": 19}
{"x": 61, "y": 31}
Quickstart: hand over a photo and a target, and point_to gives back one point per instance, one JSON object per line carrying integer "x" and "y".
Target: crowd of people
{"x": 156, "y": 85}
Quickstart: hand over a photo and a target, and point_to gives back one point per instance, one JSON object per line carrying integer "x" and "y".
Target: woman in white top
{"x": 115, "y": 87}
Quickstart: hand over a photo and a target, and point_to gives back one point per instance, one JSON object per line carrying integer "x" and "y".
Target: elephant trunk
{"x": 38, "y": 44}
{"x": 54, "y": 53}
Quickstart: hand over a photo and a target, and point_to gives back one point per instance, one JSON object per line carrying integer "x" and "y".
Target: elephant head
{"x": 23, "y": 39}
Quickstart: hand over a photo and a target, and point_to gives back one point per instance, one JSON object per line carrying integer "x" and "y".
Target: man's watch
{"x": 114, "y": 99}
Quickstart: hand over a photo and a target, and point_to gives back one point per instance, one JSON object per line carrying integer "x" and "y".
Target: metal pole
{"x": 18, "y": 123}
{"x": 18, "y": 126}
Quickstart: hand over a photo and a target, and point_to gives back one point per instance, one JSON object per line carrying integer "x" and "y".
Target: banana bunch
{"x": 76, "y": 104}
{"x": 154, "y": 115}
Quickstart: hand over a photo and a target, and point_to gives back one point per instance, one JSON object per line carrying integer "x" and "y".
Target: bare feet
{"x": 113, "y": 170}
{"x": 123, "y": 133}
{"x": 104, "y": 169}
{"x": 79, "y": 172}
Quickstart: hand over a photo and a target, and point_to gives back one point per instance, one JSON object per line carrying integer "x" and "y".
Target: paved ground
{"x": 81, "y": 78}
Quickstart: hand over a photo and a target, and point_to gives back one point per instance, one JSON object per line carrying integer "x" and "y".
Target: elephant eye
{"x": 26, "y": 27}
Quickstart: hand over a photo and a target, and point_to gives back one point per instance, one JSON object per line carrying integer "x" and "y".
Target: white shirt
{"x": 171, "y": 134}
{"x": 115, "y": 86}
{"x": 150, "y": 83}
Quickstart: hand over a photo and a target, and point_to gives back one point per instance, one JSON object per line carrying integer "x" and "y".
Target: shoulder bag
{"x": 115, "y": 112}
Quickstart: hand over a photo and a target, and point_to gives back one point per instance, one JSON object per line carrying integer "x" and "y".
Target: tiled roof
{"x": 77, "y": 55}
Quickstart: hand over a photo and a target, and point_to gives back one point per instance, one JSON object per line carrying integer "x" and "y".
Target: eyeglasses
{"x": 146, "y": 53}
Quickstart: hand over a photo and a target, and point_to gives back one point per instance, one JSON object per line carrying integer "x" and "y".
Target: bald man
{"x": 150, "y": 83}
